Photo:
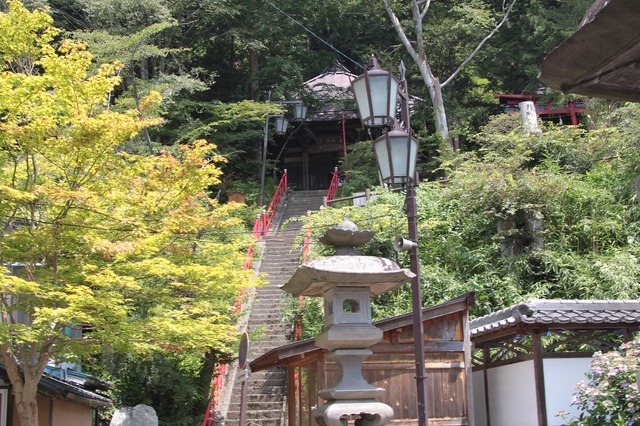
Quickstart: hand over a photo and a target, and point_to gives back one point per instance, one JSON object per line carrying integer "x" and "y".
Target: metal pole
{"x": 264, "y": 159}
{"x": 242, "y": 421}
{"x": 416, "y": 292}
{"x": 416, "y": 301}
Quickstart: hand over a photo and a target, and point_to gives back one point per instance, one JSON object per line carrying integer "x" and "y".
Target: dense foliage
{"x": 174, "y": 385}
{"x": 524, "y": 216}
{"x": 106, "y": 249}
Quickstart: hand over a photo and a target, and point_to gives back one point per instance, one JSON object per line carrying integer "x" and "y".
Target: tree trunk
{"x": 27, "y": 404}
{"x": 435, "y": 93}
{"x": 419, "y": 55}
{"x": 253, "y": 75}
{"x": 25, "y": 385}
{"x": 440, "y": 114}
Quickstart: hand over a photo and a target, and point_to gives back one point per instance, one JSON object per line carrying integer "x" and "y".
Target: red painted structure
{"x": 545, "y": 110}
{"x": 260, "y": 229}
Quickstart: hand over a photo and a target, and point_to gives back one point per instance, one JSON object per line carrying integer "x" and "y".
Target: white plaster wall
{"x": 512, "y": 392}
{"x": 479, "y": 410}
{"x": 560, "y": 375}
{"x": 512, "y": 399}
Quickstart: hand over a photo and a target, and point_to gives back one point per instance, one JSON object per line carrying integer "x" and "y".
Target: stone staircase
{"x": 266, "y": 401}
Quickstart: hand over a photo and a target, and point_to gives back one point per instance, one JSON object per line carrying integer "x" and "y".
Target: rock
{"x": 140, "y": 415}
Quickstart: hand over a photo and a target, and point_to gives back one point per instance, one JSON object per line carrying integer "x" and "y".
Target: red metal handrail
{"x": 260, "y": 229}
{"x": 305, "y": 257}
{"x": 333, "y": 186}
{"x": 283, "y": 186}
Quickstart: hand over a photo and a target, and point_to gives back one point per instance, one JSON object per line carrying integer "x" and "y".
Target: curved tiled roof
{"x": 337, "y": 79}
{"x": 559, "y": 313}
{"x": 66, "y": 389}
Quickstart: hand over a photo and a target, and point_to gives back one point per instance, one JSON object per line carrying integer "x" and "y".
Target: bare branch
{"x": 403, "y": 37}
{"x": 417, "y": 18}
{"x": 482, "y": 43}
{"x": 424, "y": 11}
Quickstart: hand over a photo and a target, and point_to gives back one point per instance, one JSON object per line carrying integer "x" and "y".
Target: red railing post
{"x": 285, "y": 179}
{"x": 333, "y": 186}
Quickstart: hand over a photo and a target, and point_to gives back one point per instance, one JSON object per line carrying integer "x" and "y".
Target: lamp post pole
{"x": 264, "y": 158}
{"x": 414, "y": 265}
{"x": 416, "y": 302}
{"x": 396, "y": 152}
{"x": 299, "y": 114}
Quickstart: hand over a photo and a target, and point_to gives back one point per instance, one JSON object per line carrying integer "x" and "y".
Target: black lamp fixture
{"x": 281, "y": 125}
{"x": 377, "y": 94}
{"x": 396, "y": 152}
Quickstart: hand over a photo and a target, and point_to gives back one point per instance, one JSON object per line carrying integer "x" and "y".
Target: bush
{"x": 609, "y": 395}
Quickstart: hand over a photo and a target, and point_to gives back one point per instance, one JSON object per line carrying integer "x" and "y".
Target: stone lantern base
{"x": 364, "y": 412}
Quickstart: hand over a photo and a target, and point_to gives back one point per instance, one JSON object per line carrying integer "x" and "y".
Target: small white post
{"x": 529, "y": 118}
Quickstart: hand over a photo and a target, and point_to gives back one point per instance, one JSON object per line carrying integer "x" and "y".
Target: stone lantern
{"x": 346, "y": 282}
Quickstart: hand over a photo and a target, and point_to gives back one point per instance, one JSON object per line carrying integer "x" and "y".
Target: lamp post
{"x": 281, "y": 124}
{"x": 377, "y": 93}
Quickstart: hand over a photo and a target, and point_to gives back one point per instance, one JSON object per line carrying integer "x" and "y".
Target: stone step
{"x": 280, "y": 257}
{"x": 267, "y": 418}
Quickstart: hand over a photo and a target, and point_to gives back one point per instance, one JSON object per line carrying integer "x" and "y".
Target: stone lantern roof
{"x": 347, "y": 268}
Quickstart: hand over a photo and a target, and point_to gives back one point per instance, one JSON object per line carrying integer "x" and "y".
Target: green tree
{"x": 175, "y": 384}
{"x": 468, "y": 27}
{"x": 127, "y": 251}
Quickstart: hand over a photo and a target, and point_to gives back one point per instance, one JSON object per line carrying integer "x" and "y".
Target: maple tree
{"x": 99, "y": 246}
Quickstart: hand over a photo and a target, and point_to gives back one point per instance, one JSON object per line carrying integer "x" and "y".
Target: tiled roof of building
{"x": 559, "y": 313}
{"x": 337, "y": 78}
{"x": 71, "y": 391}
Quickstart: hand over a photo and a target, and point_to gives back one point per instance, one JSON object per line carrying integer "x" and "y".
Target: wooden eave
{"x": 294, "y": 353}
{"x": 602, "y": 58}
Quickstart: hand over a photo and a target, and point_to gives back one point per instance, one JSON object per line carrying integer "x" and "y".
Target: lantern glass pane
{"x": 384, "y": 92}
{"x": 359, "y": 86}
{"x": 400, "y": 149}
{"x": 281, "y": 125}
{"x": 382, "y": 155}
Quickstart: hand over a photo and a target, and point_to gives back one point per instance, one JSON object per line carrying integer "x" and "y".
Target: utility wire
{"x": 314, "y": 34}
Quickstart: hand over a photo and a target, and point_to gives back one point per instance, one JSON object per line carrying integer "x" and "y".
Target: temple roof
{"x": 335, "y": 79}
{"x": 602, "y": 58}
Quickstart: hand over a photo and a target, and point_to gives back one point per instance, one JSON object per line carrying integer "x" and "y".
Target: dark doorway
{"x": 321, "y": 167}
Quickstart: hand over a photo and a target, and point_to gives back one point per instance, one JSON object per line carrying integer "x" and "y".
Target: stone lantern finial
{"x": 346, "y": 237}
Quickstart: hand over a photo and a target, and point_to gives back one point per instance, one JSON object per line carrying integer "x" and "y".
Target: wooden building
{"x": 528, "y": 357}
{"x": 392, "y": 367}
{"x": 312, "y": 149}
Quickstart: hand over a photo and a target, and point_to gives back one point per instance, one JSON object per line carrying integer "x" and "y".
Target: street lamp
{"x": 299, "y": 111}
{"x": 396, "y": 153}
{"x": 377, "y": 93}
{"x": 281, "y": 124}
